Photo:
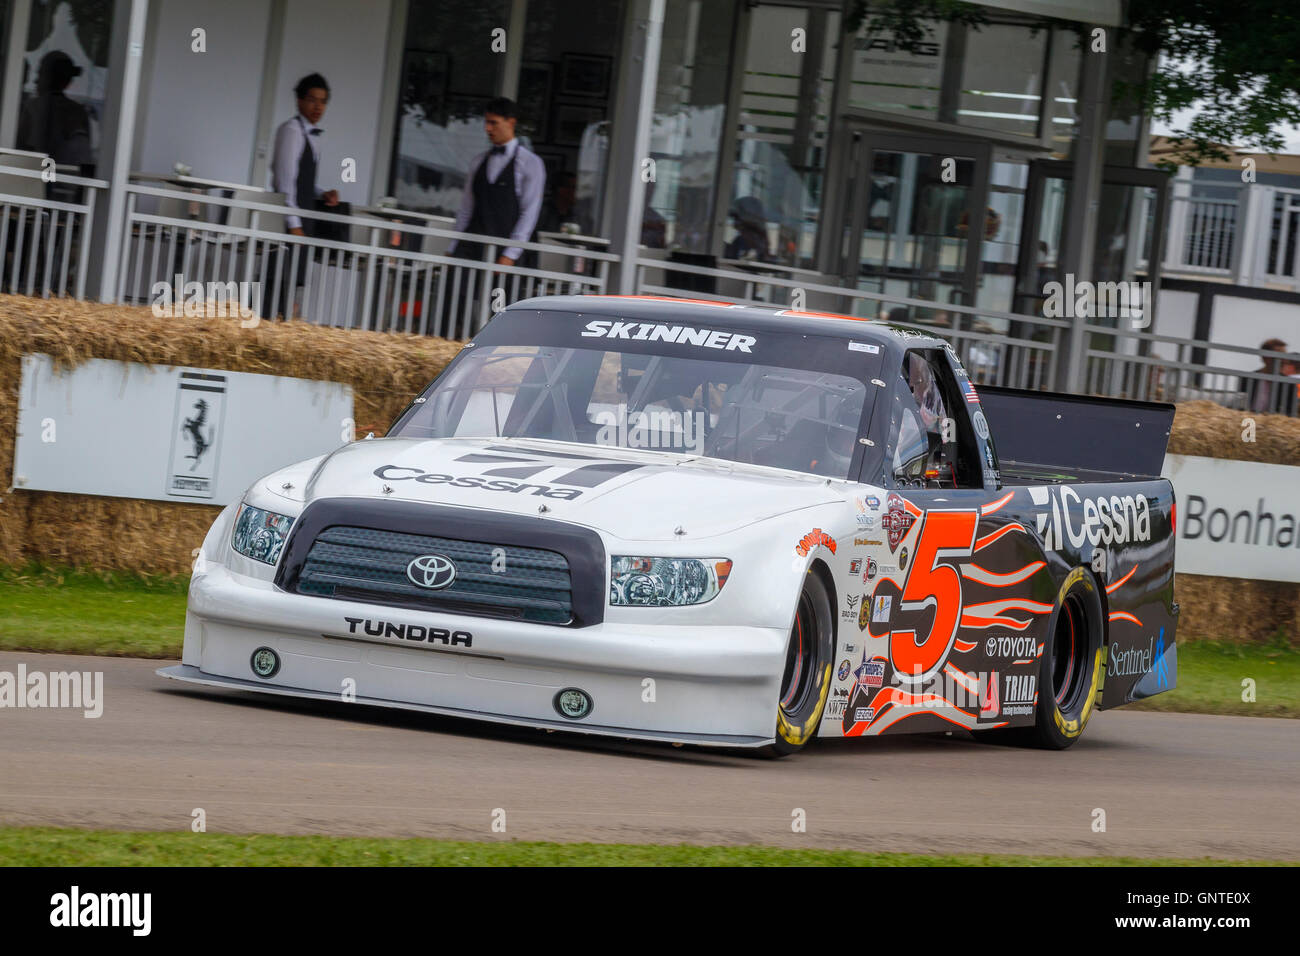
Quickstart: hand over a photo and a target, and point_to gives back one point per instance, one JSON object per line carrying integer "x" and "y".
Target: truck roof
{"x": 734, "y": 315}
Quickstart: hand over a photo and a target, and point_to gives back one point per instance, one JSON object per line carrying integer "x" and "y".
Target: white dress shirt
{"x": 530, "y": 183}
{"x": 284, "y": 162}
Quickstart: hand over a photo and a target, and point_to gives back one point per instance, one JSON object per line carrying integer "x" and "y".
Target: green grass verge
{"x": 23, "y": 846}
{"x": 1210, "y": 676}
{"x": 83, "y": 612}
{"x": 78, "y": 612}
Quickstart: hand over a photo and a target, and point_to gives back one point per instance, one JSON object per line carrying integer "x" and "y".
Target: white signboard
{"x": 1236, "y": 519}
{"x": 170, "y": 434}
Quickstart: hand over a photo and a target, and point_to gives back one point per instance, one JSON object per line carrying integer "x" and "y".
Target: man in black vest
{"x": 293, "y": 172}
{"x": 503, "y": 195}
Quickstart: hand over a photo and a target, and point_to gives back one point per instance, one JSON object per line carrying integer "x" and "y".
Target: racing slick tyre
{"x": 806, "y": 681}
{"x": 1069, "y": 669}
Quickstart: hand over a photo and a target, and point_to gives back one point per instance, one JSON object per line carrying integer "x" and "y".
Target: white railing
{"x": 394, "y": 273}
{"x": 1252, "y": 239}
{"x": 997, "y": 348}
{"x": 45, "y": 231}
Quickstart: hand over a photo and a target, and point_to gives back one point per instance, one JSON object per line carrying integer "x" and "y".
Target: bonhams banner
{"x": 170, "y": 434}
{"x": 1236, "y": 519}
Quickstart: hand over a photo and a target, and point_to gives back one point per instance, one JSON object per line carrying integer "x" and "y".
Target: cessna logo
{"x": 678, "y": 334}
{"x": 432, "y": 571}
{"x": 509, "y": 464}
{"x": 410, "y": 632}
{"x": 1113, "y": 520}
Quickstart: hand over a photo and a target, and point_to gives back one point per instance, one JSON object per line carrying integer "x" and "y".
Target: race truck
{"x": 703, "y": 523}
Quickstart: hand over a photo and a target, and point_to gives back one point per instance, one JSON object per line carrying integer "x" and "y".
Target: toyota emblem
{"x": 432, "y": 571}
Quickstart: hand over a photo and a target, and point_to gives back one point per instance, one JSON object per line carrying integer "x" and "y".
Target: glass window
{"x": 686, "y": 131}
{"x": 566, "y": 95}
{"x": 725, "y": 408}
{"x": 898, "y": 81}
{"x": 65, "y": 78}
{"x": 781, "y": 136}
{"x": 933, "y": 447}
{"x": 445, "y": 84}
{"x": 1002, "y": 78}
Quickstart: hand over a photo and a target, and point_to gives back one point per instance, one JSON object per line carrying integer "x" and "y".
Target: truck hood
{"x": 627, "y": 493}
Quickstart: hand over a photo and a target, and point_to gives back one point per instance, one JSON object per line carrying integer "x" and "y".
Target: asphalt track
{"x": 1170, "y": 784}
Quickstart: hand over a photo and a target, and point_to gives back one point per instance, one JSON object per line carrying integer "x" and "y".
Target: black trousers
{"x": 282, "y": 305}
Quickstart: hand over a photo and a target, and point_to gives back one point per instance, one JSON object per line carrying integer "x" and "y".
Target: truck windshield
{"x": 718, "y": 406}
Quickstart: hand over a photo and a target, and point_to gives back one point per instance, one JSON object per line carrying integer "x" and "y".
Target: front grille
{"x": 492, "y": 580}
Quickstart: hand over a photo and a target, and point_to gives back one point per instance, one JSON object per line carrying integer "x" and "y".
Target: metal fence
{"x": 44, "y": 241}
{"x": 390, "y": 274}
{"x": 394, "y": 272}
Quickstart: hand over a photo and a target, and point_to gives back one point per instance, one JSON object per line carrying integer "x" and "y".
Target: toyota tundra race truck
{"x": 694, "y": 522}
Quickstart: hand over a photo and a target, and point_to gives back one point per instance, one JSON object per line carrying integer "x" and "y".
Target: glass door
{"x": 908, "y": 223}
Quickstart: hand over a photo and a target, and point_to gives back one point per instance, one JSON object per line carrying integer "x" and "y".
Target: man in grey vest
{"x": 293, "y": 172}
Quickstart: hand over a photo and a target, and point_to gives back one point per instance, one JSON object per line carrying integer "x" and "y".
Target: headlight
{"x": 259, "y": 534}
{"x": 665, "y": 582}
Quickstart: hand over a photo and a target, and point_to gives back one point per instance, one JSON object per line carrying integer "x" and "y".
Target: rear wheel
{"x": 806, "y": 679}
{"x": 1070, "y": 668}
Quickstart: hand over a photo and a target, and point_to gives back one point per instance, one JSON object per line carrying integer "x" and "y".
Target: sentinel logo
{"x": 1113, "y": 520}
{"x": 678, "y": 334}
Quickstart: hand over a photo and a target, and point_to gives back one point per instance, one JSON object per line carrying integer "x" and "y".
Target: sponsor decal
{"x": 864, "y": 347}
{"x": 1135, "y": 660}
{"x": 845, "y": 669}
{"x": 1012, "y": 645}
{"x": 1114, "y": 519}
{"x": 873, "y": 502}
{"x": 902, "y": 559}
{"x": 835, "y": 706}
{"x": 896, "y": 521}
{"x": 677, "y": 334}
{"x": 855, "y": 566}
{"x": 881, "y": 607}
{"x": 852, "y": 612}
{"x": 864, "y": 713}
{"x": 982, "y": 427}
{"x": 1162, "y": 663}
{"x": 1019, "y": 693}
{"x": 410, "y": 632}
{"x": 870, "y": 673}
{"x": 812, "y": 539}
{"x": 872, "y": 569}
{"x": 393, "y": 473}
{"x": 850, "y": 648}
{"x": 867, "y": 542}
{"x": 864, "y": 614}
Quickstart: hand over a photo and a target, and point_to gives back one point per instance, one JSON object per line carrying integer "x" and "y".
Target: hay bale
{"x": 385, "y": 370}
{"x": 1212, "y": 431}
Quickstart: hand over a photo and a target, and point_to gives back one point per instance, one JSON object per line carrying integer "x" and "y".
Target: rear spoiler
{"x": 1051, "y": 434}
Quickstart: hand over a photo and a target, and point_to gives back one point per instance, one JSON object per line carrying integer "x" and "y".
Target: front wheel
{"x": 806, "y": 680}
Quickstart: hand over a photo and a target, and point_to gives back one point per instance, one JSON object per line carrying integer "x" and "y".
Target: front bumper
{"x": 715, "y": 685}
